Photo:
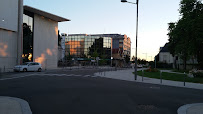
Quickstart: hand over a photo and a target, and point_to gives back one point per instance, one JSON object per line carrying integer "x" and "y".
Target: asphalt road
{"x": 80, "y": 93}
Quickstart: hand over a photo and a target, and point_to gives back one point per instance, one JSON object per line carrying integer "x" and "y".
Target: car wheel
{"x": 24, "y": 70}
{"x": 39, "y": 70}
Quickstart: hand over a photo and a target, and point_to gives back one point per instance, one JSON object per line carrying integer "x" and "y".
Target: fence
{"x": 161, "y": 77}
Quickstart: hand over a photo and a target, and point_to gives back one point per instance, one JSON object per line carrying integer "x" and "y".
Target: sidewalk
{"x": 10, "y": 105}
{"x": 129, "y": 76}
{"x": 196, "y": 108}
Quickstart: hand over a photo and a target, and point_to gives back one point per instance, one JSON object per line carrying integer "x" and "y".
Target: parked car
{"x": 139, "y": 66}
{"x": 28, "y": 66}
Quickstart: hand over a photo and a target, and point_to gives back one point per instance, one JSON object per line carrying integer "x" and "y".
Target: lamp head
{"x": 123, "y": 1}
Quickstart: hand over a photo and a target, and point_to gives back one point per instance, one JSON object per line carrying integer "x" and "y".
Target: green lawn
{"x": 181, "y": 71}
{"x": 171, "y": 76}
{"x": 164, "y": 68}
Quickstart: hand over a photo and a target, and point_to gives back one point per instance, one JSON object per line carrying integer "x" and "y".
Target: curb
{"x": 183, "y": 109}
{"x": 110, "y": 74}
{"x": 25, "y": 108}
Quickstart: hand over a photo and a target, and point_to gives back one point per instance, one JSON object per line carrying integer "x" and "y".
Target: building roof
{"x": 102, "y": 35}
{"x": 165, "y": 48}
{"x": 45, "y": 14}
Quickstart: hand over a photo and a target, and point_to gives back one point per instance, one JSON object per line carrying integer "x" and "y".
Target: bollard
{"x": 161, "y": 77}
{"x": 142, "y": 74}
{"x": 184, "y": 78}
{"x": 0, "y": 72}
{"x": 4, "y": 69}
{"x": 45, "y": 64}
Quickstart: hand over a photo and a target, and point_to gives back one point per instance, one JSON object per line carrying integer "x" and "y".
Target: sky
{"x": 112, "y": 16}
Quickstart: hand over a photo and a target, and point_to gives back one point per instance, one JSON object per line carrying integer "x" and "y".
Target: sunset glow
{"x": 49, "y": 52}
{"x": 41, "y": 59}
{"x": 3, "y": 48}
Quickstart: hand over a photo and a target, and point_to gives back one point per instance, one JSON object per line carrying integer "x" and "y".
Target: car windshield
{"x": 25, "y": 63}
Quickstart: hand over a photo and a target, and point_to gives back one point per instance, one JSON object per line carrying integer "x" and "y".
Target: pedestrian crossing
{"x": 61, "y": 75}
{"x": 16, "y": 76}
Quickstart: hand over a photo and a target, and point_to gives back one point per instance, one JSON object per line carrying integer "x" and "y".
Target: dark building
{"x": 121, "y": 45}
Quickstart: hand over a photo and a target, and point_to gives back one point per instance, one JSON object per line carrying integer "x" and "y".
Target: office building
{"x": 83, "y": 46}
{"x": 107, "y": 46}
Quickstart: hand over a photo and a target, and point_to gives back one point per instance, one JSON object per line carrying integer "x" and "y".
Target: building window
{"x": 28, "y": 29}
{"x": 85, "y": 46}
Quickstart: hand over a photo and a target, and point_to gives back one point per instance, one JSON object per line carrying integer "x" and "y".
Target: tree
{"x": 139, "y": 61}
{"x": 95, "y": 54}
{"x": 127, "y": 58}
{"x": 59, "y": 39}
{"x": 143, "y": 61}
{"x": 27, "y": 41}
{"x": 185, "y": 35}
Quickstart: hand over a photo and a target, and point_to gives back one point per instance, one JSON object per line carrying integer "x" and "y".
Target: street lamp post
{"x": 146, "y": 55}
{"x": 151, "y": 57}
{"x": 125, "y": 1}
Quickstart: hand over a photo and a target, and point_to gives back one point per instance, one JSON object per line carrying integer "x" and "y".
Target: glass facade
{"x": 88, "y": 46}
{"x": 27, "y": 36}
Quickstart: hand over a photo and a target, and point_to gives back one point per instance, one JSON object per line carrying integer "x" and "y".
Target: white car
{"x": 28, "y": 66}
{"x": 139, "y": 66}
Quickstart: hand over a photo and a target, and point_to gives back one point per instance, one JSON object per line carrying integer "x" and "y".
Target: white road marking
{"x": 42, "y": 74}
{"x": 77, "y": 75}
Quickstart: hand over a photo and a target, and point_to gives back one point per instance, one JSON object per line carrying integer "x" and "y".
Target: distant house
{"x": 164, "y": 55}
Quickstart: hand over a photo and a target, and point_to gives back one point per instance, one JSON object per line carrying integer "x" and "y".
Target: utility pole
{"x": 146, "y": 55}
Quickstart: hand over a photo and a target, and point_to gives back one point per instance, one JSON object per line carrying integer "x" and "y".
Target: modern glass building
{"x": 82, "y": 46}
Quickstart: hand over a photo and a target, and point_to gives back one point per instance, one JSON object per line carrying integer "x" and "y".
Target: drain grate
{"x": 146, "y": 107}
{"x": 154, "y": 87}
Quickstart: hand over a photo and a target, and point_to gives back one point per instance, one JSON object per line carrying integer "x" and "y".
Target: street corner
{"x": 11, "y": 105}
{"x": 196, "y": 108}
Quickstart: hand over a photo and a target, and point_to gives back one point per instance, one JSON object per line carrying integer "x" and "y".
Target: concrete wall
{"x": 45, "y": 42}
{"x": 8, "y": 50}
{"x": 9, "y": 14}
{"x": 9, "y": 11}
{"x": 165, "y": 57}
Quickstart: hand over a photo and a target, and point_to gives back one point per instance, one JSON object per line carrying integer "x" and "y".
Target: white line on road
{"x": 40, "y": 74}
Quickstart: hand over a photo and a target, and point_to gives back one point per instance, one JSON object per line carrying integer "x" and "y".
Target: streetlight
{"x": 125, "y": 1}
{"x": 146, "y": 55}
{"x": 151, "y": 57}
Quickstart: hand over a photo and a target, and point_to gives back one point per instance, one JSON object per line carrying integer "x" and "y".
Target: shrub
{"x": 198, "y": 74}
{"x": 152, "y": 70}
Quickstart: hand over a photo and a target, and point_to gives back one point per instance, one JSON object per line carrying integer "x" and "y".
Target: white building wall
{"x": 8, "y": 50}
{"x": 45, "y": 42}
{"x": 9, "y": 14}
{"x": 165, "y": 57}
{"x": 8, "y": 34}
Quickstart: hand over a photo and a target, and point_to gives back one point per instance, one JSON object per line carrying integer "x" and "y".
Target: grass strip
{"x": 171, "y": 76}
